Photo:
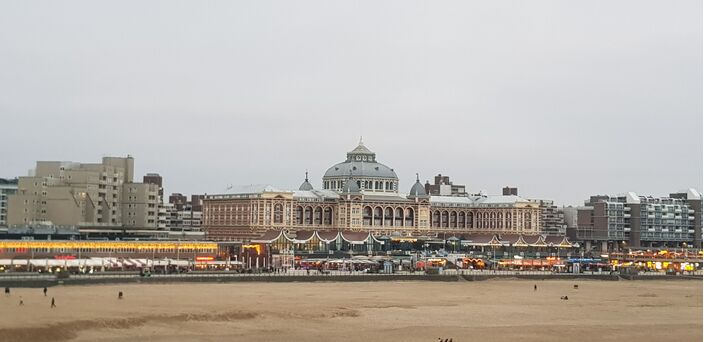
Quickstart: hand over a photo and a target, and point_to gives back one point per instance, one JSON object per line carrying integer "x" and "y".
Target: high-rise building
{"x": 84, "y": 194}
{"x": 630, "y": 220}
{"x": 570, "y": 215}
{"x": 510, "y": 191}
{"x": 7, "y": 187}
{"x": 442, "y": 186}
{"x": 552, "y": 219}
{"x": 694, "y": 200}
{"x": 182, "y": 214}
{"x": 178, "y": 200}
{"x": 156, "y": 179}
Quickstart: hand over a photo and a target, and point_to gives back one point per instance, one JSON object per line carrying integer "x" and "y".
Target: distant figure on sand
{"x": 119, "y": 295}
{"x": 564, "y": 298}
{"x": 21, "y": 301}
{"x": 535, "y": 287}
{"x": 53, "y": 302}
{"x": 576, "y": 286}
{"x": 45, "y": 292}
{"x": 7, "y": 291}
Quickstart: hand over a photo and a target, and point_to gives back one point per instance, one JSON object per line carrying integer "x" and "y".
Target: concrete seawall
{"x": 40, "y": 283}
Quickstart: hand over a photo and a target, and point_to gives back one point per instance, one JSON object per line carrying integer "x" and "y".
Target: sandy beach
{"x": 493, "y": 310}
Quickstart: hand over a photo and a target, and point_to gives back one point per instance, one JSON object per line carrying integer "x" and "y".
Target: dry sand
{"x": 494, "y": 310}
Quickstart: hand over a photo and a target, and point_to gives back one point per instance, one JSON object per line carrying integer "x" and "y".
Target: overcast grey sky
{"x": 563, "y": 99}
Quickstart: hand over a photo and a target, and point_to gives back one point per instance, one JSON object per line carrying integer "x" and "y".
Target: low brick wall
{"x": 40, "y": 283}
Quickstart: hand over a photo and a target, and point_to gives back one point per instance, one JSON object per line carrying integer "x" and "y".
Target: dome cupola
{"x": 362, "y": 166}
{"x": 418, "y": 190}
{"x": 306, "y": 186}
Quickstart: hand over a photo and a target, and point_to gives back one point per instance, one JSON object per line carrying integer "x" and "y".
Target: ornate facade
{"x": 361, "y": 195}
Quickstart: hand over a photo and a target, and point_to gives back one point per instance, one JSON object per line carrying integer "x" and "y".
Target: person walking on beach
{"x": 53, "y": 302}
{"x": 119, "y": 295}
{"x": 7, "y": 291}
{"x": 45, "y": 292}
{"x": 21, "y": 301}
{"x": 535, "y": 287}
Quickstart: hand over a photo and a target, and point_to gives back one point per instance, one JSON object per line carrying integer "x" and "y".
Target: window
{"x": 278, "y": 213}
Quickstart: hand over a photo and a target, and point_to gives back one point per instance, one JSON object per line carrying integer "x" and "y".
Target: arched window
{"x": 378, "y": 215}
{"x": 388, "y": 216}
{"x": 278, "y": 213}
{"x": 444, "y": 219}
{"x": 435, "y": 218}
{"x": 318, "y": 215}
{"x": 461, "y": 219}
{"x": 367, "y": 216}
{"x": 309, "y": 215}
{"x": 453, "y": 219}
{"x": 299, "y": 214}
{"x": 410, "y": 218}
{"x": 398, "y": 219}
{"x": 327, "y": 216}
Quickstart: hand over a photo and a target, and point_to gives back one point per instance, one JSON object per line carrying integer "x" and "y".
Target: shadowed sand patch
{"x": 70, "y": 330}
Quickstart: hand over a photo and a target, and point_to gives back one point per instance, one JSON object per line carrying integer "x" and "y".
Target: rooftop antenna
{"x": 417, "y": 177}
{"x": 306, "y": 175}
{"x": 360, "y": 140}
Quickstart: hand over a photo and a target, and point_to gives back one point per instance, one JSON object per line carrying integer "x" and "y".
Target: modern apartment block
{"x": 84, "y": 194}
{"x": 552, "y": 219}
{"x": 156, "y": 179}
{"x": 510, "y": 191}
{"x": 184, "y": 214}
{"x": 7, "y": 187}
{"x": 636, "y": 221}
{"x": 443, "y": 187}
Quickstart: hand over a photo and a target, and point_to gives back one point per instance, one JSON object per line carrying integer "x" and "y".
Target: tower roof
{"x": 417, "y": 190}
{"x": 306, "y": 185}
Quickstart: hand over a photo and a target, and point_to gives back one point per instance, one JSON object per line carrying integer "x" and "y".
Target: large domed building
{"x": 362, "y": 168}
{"x": 362, "y": 195}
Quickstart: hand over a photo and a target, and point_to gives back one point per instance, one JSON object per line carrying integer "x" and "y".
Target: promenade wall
{"x": 49, "y": 281}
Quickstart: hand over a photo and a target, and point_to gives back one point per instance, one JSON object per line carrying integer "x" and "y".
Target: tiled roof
{"x": 481, "y": 238}
{"x": 510, "y": 238}
{"x": 301, "y": 236}
{"x": 355, "y": 236}
{"x": 268, "y": 237}
{"x": 328, "y": 235}
{"x": 532, "y": 239}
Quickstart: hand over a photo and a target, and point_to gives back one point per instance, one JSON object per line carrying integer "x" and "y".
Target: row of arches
{"x": 388, "y": 216}
{"x": 313, "y": 216}
{"x": 468, "y": 219}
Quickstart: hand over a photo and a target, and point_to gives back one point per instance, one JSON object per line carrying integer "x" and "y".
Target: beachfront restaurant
{"x": 20, "y": 251}
{"x": 283, "y": 248}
